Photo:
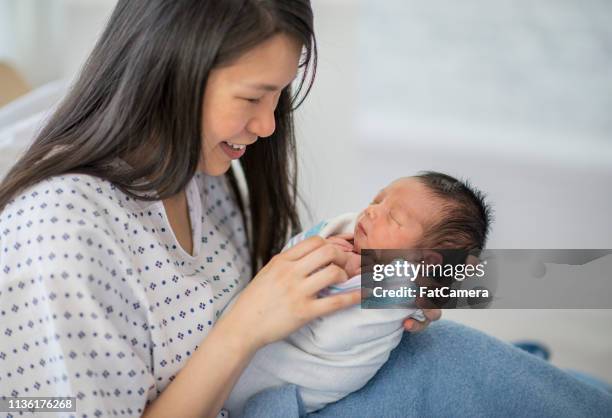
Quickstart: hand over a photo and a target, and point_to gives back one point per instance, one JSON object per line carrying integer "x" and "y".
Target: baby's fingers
{"x": 325, "y": 306}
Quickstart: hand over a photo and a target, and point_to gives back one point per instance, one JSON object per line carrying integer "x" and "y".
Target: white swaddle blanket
{"x": 329, "y": 357}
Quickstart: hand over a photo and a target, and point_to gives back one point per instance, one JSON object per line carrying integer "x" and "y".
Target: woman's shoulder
{"x": 70, "y": 223}
{"x": 66, "y": 204}
{"x": 76, "y": 194}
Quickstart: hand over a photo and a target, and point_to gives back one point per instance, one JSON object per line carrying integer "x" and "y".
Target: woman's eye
{"x": 251, "y": 100}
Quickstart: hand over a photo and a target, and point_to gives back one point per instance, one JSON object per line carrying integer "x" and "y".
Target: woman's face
{"x": 240, "y": 100}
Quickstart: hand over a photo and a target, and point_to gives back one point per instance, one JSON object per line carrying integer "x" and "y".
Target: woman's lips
{"x": 231, "y": 152}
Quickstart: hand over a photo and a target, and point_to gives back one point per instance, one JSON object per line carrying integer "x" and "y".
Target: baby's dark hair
{"x": 466, "y": 216}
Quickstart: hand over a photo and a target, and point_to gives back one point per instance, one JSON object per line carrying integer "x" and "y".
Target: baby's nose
{"x": 371, "y": 212}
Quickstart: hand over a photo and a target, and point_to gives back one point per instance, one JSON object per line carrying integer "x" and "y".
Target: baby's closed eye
{"x": 395, "y": 218}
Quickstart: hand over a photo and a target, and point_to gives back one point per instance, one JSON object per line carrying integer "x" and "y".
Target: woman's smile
{"x": 233, "y": 151}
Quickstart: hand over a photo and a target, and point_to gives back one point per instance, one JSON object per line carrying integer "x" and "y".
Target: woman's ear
{"x": 432, "y": 257}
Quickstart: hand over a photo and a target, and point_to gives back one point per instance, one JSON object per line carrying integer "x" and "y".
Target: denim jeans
{"x": 451, "y": 370}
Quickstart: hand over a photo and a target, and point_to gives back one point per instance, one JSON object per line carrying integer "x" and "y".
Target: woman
{"x": 124, "y": 232}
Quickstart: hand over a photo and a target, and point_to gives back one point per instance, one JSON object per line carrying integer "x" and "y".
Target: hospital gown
{"x": 97, "y": 298}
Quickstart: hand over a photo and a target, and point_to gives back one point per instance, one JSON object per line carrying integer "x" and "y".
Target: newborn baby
{"x": 338, "y": 354}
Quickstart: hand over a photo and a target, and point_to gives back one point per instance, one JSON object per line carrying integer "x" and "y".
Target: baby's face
{"x": 397, "y": 217}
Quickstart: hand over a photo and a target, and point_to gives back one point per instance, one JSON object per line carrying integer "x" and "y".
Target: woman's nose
{"x": 263, "y": 124}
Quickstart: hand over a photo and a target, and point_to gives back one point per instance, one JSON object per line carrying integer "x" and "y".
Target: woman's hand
{"x": 283, "y": 295}
{"x": 343, "y": 241}
{"x": 413, "y": 325}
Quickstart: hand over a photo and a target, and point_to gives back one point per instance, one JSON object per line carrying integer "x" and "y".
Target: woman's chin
{"x": 215, "y": 169}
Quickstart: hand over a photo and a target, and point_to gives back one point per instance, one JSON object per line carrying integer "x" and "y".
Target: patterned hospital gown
{"x": 97, "y": 298}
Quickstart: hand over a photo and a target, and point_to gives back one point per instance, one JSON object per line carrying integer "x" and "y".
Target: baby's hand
{"x": 353, "y": 263}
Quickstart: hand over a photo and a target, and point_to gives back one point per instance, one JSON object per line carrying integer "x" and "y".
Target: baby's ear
{"x": 472, "y": 259}
{"x": 432, "y": 257}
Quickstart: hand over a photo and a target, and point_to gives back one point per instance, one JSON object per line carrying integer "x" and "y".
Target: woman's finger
{"x": 345, "y": 245}
{"x": 347, "y": 236}
{"x": 321, "y": 257}
{"x": 413, "y": 325}
{"x": 432, "y": 314}
{"x": 325, "y": 306}
{"x": 332, "y": 274}
{"x": 303, "y": 248}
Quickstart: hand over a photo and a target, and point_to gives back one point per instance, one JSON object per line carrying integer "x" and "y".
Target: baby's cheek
{"x": 409, "y": 239}
{"x": 395, "y": 240}
{"x": 379, "y": 240}
{"x": 383, "y": 239}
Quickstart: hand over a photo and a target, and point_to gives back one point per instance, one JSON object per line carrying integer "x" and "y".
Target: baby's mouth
{"x": 361, "y": 229}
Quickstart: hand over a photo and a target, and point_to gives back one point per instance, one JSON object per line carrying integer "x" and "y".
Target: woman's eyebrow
{"x": 263, "y": 86}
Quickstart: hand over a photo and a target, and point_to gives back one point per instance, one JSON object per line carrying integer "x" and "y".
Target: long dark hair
{"x": 140, "y": 94}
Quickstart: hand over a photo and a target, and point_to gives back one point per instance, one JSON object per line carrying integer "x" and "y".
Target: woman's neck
{"x": 177, "y": 211}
